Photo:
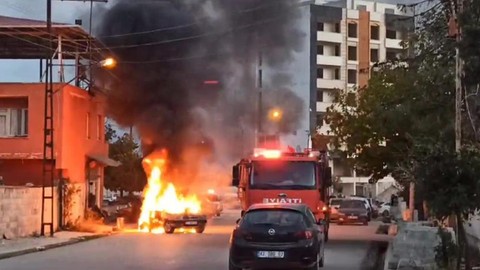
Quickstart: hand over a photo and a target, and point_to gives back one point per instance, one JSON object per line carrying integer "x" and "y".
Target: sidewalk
{"x": 21, "y": 246}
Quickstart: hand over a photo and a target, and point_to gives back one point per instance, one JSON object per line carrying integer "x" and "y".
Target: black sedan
{"x": 280, "y": 236}
{"x": 352, "y": 211}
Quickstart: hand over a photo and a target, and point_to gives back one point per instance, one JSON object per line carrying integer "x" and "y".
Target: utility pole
{"x": 411, "y": 192}
{"x": 458, "y": 77}
{"x": 48, "y": 164}
{"x": 260, "y": 97}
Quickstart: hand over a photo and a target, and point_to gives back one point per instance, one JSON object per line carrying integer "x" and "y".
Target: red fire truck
{"x": 273, "y": 176}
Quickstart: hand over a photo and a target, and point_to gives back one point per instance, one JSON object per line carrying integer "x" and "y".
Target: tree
{"x": 129, "y": 176}
{"x": 450, "y": 184}
{"x": 110, "y": 133}
{"x": 402, "y": 122}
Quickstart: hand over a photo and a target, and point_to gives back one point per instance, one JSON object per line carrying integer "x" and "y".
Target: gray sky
{"x": 67, "y": 12}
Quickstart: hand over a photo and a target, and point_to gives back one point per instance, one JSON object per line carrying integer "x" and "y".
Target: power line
{"x": 157, "y": 30}
{"x": 206, "y": 34}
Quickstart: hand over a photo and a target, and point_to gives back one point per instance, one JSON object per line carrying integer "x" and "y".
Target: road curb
{"x": 52, "y": 246}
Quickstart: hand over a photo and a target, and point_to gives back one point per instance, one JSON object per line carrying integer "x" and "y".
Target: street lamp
{"x": 275, "y": 115}
{"x": 108, "y": 63}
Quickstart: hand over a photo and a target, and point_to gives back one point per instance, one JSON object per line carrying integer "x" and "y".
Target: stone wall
{"x": 20, "y": 211}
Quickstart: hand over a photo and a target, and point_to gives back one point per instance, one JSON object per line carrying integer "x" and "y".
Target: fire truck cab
{"x": 273, "y": 176}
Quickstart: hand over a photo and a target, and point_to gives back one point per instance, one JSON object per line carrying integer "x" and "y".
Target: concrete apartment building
{"x": 346, "y": 39}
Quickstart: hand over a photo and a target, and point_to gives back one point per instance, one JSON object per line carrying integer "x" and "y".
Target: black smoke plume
{"x": 167, "y": 50}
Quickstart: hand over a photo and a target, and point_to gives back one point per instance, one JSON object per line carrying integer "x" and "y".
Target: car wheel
{"x": 232, "y": 267}
{"x": 315, "y": 266}
{"x": 200, "y": 229}
{"x": 168, "y": 228}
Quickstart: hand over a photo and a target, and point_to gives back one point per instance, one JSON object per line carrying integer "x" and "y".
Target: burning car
{"x": 212, "y": 204}
{"x": 164, "y": 209}
{"x": 170, "y": 222}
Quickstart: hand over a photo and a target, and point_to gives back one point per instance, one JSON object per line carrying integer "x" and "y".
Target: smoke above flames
{"x": 168, "y": 49}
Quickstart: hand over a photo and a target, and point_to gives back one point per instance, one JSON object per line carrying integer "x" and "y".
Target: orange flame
{"x": 160, "y": 196}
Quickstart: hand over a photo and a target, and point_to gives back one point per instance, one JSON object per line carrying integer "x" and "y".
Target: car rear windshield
{"x": 352, "y": 204}
{"x": 278, "y": 217}
{"x": 336, "y": 202}
{"x": 277, "y": 174}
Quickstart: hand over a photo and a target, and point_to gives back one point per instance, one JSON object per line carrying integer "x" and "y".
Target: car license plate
{"x": 191, "y": 223}
{"x": 352, "y": 217}
{"x": 270, "y": 254}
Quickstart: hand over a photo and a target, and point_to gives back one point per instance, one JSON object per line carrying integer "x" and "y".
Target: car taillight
{"x": 238, "y": 233}
{"x": 304, "y": 235}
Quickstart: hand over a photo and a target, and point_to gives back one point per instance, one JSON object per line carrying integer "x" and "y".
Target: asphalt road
{"x": 350, "y": 248}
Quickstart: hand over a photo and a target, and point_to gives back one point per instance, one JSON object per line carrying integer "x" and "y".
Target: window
{"x": 87, "y": 125}
{"x": 391, "y": 34}
{"x": 13, "y": 122}
{"x": 352, "y": 76}
{"x": 374, "y": 55}
{"x": 337, "y": 50}
{"x": 352, "y": 30}
{"x": 337, "y": 28}
{"x": 352, "y": 53}
{"x": 320, "y": 49}
{"x": 320, "y": 95}
{"x": 319, "y": 26}
{"x": 375, "y": 32}
{"x": 391, "y": 55}
{"x": 319, "y": 73}
{"x": 336, "y": 74}
{"x": 320, "y": 117}
{"x": 389, "y": 11}
{"x": 100, "y": 127}
{"x": 276, "y": 217}
{"x": 362, "y": 7}
{"x": 281, "y": 174}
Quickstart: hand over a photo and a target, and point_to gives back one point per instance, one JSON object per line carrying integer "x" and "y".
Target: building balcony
{"x": 376, "y": 16}
{"x": 322, "y": 106}
{"x": 353, "y": 14}
{"x": 329, "y": 37}
{"x": 329, "y": 60}
{"x": 393, "y": 43}
{"x": 330, "y": 84}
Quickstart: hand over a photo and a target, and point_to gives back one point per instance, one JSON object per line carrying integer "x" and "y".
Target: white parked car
{"x": 384, "y": 209}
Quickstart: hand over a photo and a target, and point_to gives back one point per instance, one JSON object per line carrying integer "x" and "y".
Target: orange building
{"x": 79, "y": 130}
{"x": 79, "y": 146}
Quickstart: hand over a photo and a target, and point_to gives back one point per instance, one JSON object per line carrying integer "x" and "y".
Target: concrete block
{"x": 20, "y": 210}
{"x": 415, "y": 243}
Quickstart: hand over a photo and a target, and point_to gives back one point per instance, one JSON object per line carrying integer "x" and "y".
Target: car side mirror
{"x": 235, "y": 176}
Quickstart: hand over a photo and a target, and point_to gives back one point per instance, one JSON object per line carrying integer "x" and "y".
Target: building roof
{"x": 21, "y": 22}
{"x": 29, "y": 39}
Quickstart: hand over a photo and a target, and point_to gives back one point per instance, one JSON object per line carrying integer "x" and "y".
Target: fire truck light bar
{"x": 210, "y": 82}
{"x": 267, "y": 153}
